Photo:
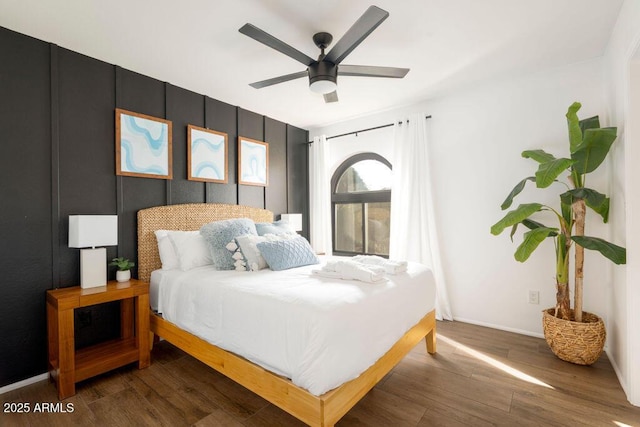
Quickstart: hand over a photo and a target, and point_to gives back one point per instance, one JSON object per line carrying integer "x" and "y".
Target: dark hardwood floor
{"x": 479, "y": 377}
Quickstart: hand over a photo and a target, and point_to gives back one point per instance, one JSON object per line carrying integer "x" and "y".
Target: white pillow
{"x": 252, "y": 256}
{"x": 191, "y": 249}
{"x": 249, "y": 250}
{"x": 168, "y": 255}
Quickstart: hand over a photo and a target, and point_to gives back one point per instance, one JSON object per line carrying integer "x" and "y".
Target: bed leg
{"x": 152, "y": 339}
{"x": 430, "y": 338}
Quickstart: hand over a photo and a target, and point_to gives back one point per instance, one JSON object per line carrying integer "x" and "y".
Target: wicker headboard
{"x": 183, "y": 217}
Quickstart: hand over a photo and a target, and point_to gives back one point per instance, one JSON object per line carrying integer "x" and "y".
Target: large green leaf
{"x": 593, "y": 149}
{"x": 596, "y": 201}
{"x": 589, "y": 123}
{"x": 539, "y": 156}
{"x": 515, "y": 216}
{"x": 615, "y": 253}
{"x": 549, "y": 171}
{"x": 513, "y": 230}
{"x": 532, "y": 240}
{"x": 532, "y": 225}
{"x": 516, "y": 190}
{"x": 573, "y": 123}
{"x": 602, "y": 210}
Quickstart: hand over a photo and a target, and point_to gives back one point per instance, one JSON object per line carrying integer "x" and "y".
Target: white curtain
{"x": 320, "y": 196}
{"x": 414, "y": 235}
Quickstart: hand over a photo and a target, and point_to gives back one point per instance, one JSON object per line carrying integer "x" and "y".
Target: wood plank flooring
{"x": 479, "y": 377}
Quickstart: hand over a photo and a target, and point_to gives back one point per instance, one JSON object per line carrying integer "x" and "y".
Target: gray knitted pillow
{"x": 218, "y": 234}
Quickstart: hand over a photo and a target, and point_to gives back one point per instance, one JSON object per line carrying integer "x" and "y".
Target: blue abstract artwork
{"x": 143, "y": 145}
{"x": 207, "y": 155}
{"x": 253, "y": 162}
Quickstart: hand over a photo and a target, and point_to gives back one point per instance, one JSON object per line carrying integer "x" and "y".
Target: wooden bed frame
{"x": 313, "y": 410}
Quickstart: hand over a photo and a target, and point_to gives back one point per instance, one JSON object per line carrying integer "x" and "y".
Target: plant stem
{"x": 562, "y": 301}
{"x": 579, "y": 210}
{"x": 563, "y": 306}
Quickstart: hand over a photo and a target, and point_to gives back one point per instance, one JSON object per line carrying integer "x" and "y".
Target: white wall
{"x": 624, "y": 110}
{"x": 478, "y": 135}
{"x": 379, "y": 141}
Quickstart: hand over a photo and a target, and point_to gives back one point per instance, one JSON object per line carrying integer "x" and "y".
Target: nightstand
{"x": 68, "y": 366}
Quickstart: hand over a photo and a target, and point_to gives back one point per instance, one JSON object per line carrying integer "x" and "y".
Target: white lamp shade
{"x": 89, "y": 231}
{"x": 294, "y": 220}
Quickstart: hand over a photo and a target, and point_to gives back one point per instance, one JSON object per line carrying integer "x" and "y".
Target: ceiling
{"x": 447, "y": 44}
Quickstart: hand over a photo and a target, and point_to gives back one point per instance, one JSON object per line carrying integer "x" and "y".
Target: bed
{"x": 273, "y": 384}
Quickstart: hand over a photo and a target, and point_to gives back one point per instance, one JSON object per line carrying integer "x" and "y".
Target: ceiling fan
{"x": 323, "y": 73}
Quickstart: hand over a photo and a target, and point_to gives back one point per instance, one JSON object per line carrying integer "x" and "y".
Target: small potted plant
{"x": 124, "y": 268}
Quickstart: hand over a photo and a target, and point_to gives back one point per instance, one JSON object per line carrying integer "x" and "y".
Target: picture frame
{"x": 143, "y": 145}
{"x": 207, "y": 155}
{"x": 253, "y": 162}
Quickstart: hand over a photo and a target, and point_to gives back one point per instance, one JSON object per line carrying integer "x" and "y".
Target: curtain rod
{"x": 355, "y": 132}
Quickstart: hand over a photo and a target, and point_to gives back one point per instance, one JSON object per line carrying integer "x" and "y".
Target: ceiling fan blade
{"x": 274, "y": 43}
{"x": 368, "y": 22}
{"x": 280, "y": 79}
{"x": 331, "y": 97}
{"x": 372, "y": 71}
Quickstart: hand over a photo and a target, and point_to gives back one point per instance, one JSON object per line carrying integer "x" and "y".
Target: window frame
{"x": 362, "y": 198}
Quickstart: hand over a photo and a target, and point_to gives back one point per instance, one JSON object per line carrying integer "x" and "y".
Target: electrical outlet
{"x": 534, "y": 297}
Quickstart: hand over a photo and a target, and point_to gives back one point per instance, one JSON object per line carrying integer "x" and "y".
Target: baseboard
{"x": 23, "y": 383}
{"x": 499, "y": 327}
{"x": 517, "y": 331}
{"x": 621, "y": 380}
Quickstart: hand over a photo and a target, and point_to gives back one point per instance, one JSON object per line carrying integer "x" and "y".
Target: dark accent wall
{"x": 275, "y": 195}
{"x": 25, "y": 193}
{"x": 298, "y": 174}
{"x": 57, "y": 135}
{"x": 251, "y": 125}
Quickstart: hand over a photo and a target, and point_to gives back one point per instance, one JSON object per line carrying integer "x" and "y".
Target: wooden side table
{"x": 67, "y": 366}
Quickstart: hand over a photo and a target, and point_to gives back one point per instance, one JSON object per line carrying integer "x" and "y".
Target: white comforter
{"x": 319, "y": 332}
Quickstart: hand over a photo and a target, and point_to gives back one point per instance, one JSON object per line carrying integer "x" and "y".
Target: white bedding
{"x": 317, "y": 331}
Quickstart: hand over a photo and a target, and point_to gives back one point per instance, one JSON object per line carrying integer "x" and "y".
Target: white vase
{"x": 123, "y": 276}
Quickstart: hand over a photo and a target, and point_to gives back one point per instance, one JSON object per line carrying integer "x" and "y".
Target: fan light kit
{"x": 323, "y": 73}
{"x": 323, "y": 86}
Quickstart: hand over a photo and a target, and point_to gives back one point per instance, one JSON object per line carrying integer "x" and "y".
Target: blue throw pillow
{"x": 285, "y": 254}
{"x": 278, "y": 227}
{"x": 218, "y": 234}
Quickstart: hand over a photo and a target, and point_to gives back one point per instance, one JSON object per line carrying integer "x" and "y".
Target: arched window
{"x": 361, "y": 202}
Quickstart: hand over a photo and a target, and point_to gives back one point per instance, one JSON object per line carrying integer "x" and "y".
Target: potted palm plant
{"x": 123, "y": 274}
{"x": 574, "y": 335}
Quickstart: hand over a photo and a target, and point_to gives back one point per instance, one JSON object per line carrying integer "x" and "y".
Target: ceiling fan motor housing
{"x": 323, "y": 71}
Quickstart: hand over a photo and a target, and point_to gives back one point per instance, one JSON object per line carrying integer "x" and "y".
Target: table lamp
{"x": 89, "y": 231}
{"x": 294, "y": 220}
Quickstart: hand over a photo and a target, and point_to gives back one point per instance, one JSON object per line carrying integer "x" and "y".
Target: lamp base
{"x": 93, "y": 268}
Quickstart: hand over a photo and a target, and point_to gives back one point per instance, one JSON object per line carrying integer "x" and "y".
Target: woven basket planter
{"x": 576, "y": 342}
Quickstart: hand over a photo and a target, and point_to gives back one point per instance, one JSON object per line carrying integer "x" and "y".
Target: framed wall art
{"x": 253, "y": 162}
{"x": 143, "y": 145}
{"x": 207, "y": 155}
